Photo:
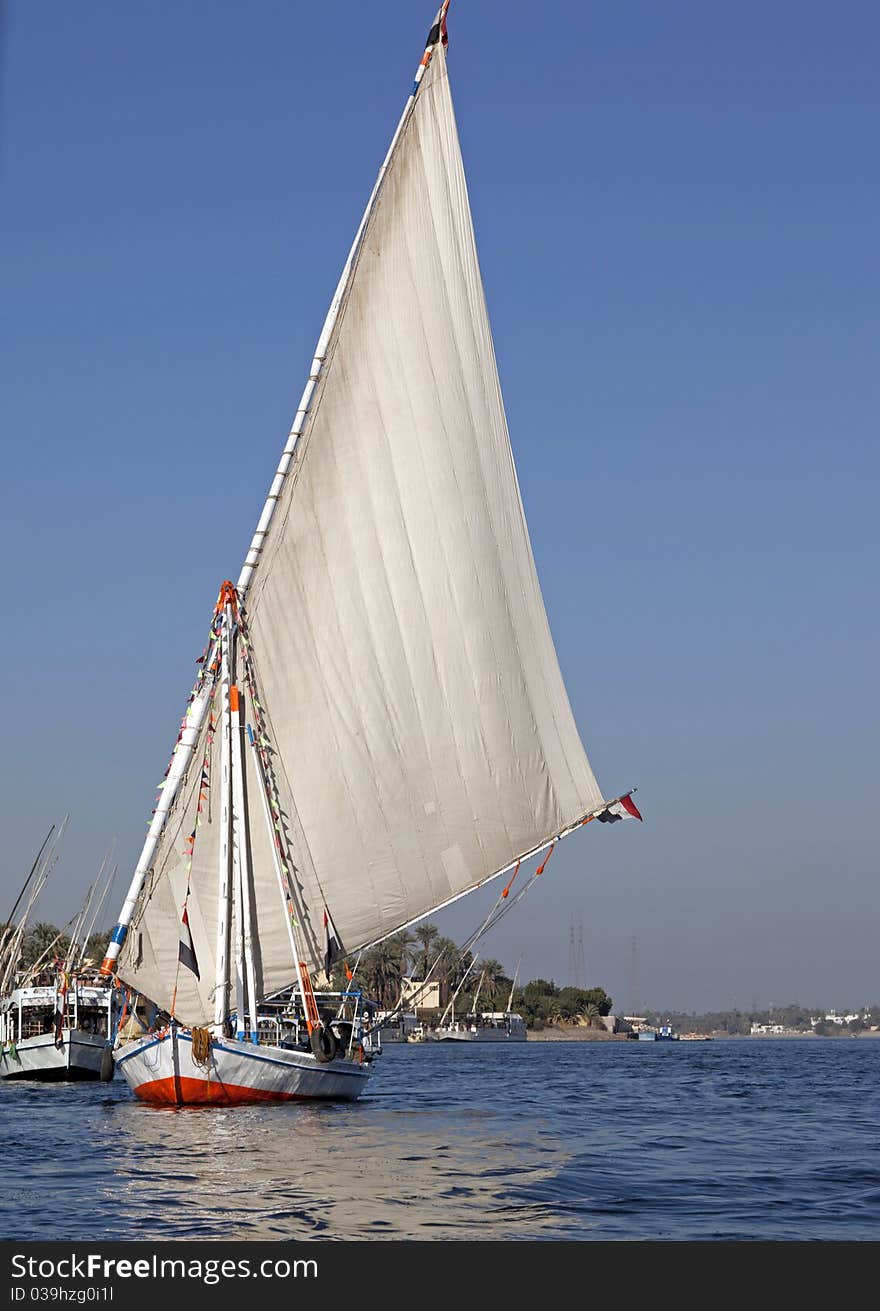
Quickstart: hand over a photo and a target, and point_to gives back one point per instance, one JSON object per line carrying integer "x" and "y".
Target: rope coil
{"x": 201, "y": 1047}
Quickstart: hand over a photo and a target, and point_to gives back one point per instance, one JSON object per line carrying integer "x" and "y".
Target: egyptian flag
{"x": 438, "y": 31}
{"x": 331, "y": 943}
{"x": 186, "y": 952}
{"x": 60, "y": 1008}
{"x": 619, "y": 810}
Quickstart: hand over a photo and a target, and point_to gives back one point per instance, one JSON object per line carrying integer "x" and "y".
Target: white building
{"x": 421, "y": 996}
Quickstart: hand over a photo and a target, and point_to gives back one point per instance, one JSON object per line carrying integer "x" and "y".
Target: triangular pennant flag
{"x": 186, "y": 952}
{"x": 331, "y": 947}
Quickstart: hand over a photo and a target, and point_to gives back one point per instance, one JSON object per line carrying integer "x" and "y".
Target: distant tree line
{"x": 47, "y": 940}
{"x": 541, "y": 1003}
{"x": 424, "y": 953}
{"x": 793, "y": 1016}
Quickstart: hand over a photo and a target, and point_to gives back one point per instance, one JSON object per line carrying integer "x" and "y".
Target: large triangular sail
{"x": 420, "y": 733}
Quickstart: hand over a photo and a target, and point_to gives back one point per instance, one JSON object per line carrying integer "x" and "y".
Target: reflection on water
{"x": 406, "y": 1160}
{"x": 342, "y": 1171}
{"x": 580, "y": 1140}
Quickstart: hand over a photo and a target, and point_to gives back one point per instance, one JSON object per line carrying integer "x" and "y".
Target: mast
{"x": 241, "y": 855}
{"x": 451, "y": 1006}
{"x": 224, "y": 882}
{"x": 513, "y": 985}
{"x": 12, "y": 946}
{"x": 200, "y": 700}
{"x": 11, "y": 916}
{"x": 301, "y": 969}
{"x": 100, "y": 906}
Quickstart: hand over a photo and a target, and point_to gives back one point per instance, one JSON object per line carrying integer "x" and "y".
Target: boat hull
{"x": 77, "y": 1056}
{"x": 161, "y": 1070}
{"x": 486, "y": 1035}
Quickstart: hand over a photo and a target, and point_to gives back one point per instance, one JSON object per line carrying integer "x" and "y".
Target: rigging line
{"x": 104, "y": 895}
{"x": 586, "y": 818}
{"x": 34, "y": 969}
{"x": 13, "y": 949}
{"x": 392, "y": 1015}
{"x": 349, "y": 980}
{"x": 177, "y": 810}
{"x": 498, "y": 914}
{"x": 486, "y": 923}
{"x": 268, "y": 752}
{"x": 188, "y": 734}
{"x": 190, "y": 851}
{"x": 451, "y": 1005}
{"x": 39, "y": 854}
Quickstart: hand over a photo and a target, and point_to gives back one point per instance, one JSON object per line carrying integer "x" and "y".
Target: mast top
{"x": 228, "y": 597}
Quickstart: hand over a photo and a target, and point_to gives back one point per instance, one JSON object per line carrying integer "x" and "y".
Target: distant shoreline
{"x": 579, "y": 1033}
{"x": 576, "y": 1033}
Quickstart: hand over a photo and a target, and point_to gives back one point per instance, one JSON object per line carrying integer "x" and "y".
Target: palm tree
{"x": 384, "y": 968}
{"x": 425, "y": 936}
{"x": 493, "y": 977}
{"x": 38, "y": 939}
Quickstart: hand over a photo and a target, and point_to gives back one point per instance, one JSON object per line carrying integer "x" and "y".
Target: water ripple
{"x": 733, "y": 1140}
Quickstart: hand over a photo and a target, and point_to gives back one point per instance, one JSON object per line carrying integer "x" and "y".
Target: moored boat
{"x": 56, "y": 1031}
{"x": 56, "y": 1011}
{"x": 489, "y": 1026}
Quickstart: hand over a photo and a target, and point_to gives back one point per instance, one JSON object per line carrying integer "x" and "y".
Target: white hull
{"x": 478, "y": 1035}
{"x": 160, "y": 1069}
{"x": 493, "y": 1026}
{"x": 78, "y": 1056}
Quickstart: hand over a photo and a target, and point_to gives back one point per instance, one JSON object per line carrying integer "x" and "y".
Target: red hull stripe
{"x": 202, "y": 1092}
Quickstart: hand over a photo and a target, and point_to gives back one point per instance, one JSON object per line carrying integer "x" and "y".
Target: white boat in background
{"x": 488, "y": 1026}
{"x": 397, "y": 1026}
{"x": 379, "y": 724}
{"x": 58, "y": 1030}
{"x": 481, "y": 1026}
{"x": 56, "y": 1014}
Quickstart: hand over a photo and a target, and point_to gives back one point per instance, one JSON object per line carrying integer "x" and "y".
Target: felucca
{"x": 379, "y": 723}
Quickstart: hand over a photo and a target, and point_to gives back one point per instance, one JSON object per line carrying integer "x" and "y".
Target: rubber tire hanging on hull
{"x": 324, "y": 1045}
{"x": 108, "y": 1065}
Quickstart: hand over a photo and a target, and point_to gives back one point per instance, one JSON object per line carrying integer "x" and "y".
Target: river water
{"x": 729, "y": 1139}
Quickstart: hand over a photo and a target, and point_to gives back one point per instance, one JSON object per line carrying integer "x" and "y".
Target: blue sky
{"x": 677, "y": 213}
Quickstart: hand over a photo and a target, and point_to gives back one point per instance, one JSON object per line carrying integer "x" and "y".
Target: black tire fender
{"x": 324, "y": 1045}
{"x": 108, "y": 1065}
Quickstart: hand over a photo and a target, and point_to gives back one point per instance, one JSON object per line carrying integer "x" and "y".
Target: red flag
{"x": 619, "y": 810}
{"x": 630, "y": 807}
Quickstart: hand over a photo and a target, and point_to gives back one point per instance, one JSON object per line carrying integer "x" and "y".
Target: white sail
{"x": 421, "y": 731}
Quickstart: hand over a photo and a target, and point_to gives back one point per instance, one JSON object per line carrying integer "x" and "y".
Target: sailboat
{"x": 56, "y": 1014}
{"x": 482, "y": 1026}
{"x": 485, "y": 1026}
{"x": 379, "y": 724}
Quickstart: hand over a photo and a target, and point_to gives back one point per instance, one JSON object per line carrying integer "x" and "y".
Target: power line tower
{"x": 572, "y": 960}
{"x": 581, "y": 970}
